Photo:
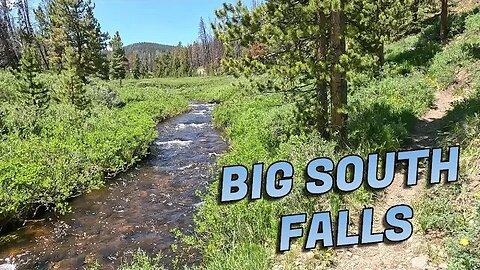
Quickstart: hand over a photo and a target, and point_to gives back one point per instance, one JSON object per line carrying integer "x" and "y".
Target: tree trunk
{"x": 7, "y": 36}
{"x": 380, "y": 52}
{"x": 338, "y": 84}
{"x": 414, "y": 9}
{"x": 322, "y": 84}
{"x": 444, "y": 22}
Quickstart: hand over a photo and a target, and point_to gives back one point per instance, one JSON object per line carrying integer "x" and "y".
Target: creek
{"x": 136, "y": 210}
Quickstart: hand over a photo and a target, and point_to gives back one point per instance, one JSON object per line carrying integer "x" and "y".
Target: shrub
{"x": 141, "y": 261}
{"x": 71, "y": 150}
{"x": 472, "y": 24}
{"x": 385, "y": 111}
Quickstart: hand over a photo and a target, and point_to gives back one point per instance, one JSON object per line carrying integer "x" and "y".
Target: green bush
{"x": 472, "y": 24}
{"x": 8, "y": 87}
{"x": 436, "y": 212}
{"x": 141, "y": 261}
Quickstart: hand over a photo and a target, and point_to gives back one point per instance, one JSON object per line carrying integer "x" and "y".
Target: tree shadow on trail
{"x": 431, "y": 132}
{"x": 463, "y": 110}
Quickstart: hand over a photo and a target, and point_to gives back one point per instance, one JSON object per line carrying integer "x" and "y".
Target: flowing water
{"x": 138, "y": 209}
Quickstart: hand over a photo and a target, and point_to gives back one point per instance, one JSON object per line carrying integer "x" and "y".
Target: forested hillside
{"x": 201, "y": 58}
{"x": 291, "y": 80}
{"x": 144, "y": 55}
{"x": 147, "y": 48}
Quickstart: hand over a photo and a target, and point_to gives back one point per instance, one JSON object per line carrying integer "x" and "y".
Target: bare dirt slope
{"x": 407, "y": 255}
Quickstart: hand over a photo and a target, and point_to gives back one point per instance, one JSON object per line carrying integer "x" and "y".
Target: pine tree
{"x": 179, "y": 65}
{"x": 118, "y": 60}
{"x": 8, "y": 51}
{"x": 338, "y": 82}
{"x": 374, "y": 22}
{"x": 205, "y": 43}
{"x": 301, "y": 48}
{"x": 73, "y": 87}
{"x": 24, "y": 22}
{"x": 41, "y": 16}
{"x": 145, "y": 68}
{"x": 33, "y": 91}
{"x": 66, "y": 24}
{"x": 195, "y": 57}
{"x": 218, "y": 52}
{"x": 27, "y": 34}
{"x": 306, "y": 48}
{"x": 163, "y": 65}
{"x": 136, "y": 66}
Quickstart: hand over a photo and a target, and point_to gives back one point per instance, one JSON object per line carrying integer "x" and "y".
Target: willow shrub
{"x": 71, "y": 151}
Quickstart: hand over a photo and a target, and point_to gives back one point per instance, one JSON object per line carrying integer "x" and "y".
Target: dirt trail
{"x": 407, "y": 255}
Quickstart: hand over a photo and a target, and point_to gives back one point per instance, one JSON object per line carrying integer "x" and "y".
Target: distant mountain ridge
{"x": 147, "y": 51}
{"x": 147, "y": 47}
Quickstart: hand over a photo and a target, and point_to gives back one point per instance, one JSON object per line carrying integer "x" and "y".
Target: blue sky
{"x": 161, "y": 21}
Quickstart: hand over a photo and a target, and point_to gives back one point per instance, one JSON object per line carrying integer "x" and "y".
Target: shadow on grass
{"x": 462, "y": 111}
{"x": 428, "y": 43}
{"x": 380, "y": 127}
{"x": 473, "y": 50}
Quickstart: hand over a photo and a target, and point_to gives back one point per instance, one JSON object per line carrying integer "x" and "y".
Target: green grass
{"x": 463, "y": 127}
{"x": 141, "y": 261}
{"x": 439, "y": 201}
{"x": 454, "y": 210}
{"x": 463, "y": 248}
{"x": 209, "y": 89}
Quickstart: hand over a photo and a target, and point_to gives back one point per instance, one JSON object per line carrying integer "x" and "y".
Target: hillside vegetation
{"x": 454, "y": 211}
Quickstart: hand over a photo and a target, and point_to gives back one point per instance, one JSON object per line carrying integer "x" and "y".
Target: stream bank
{"x": 136, "y": 210}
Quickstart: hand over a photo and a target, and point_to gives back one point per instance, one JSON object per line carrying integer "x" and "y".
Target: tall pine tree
{"x": 73, "y": 86}
{"x": 374, "y": 22}
{"x": 70, "y": 24}
{"x": 118, "y": 60}
{"x": 136, "y": 66}
{"x": 33, "y": 91}
{"x": 301, "y": 47}
{"x": 8, "y": 51}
